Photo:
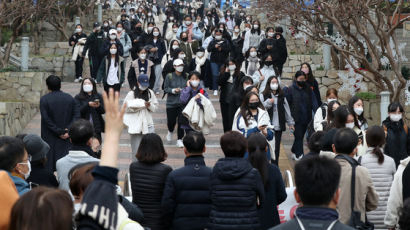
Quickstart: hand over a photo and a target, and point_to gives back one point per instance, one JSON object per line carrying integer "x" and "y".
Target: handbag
{"x": 355, "y": 220}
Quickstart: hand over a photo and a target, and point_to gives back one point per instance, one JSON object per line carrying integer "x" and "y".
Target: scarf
{"x": 200, "y": 62}
{"x": 252, "y": 62}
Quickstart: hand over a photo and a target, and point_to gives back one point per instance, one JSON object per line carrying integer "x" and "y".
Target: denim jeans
{"x": 215, "y": 67}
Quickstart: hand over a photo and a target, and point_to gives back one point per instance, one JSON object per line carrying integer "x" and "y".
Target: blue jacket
{"x": 235, "y": 189}
{"x": 21, "y": 185}
{"x": 186, "y": 201}
{"x": 196, "y": 32}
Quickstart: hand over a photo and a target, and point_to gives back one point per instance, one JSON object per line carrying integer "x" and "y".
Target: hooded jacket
{"x": 397, "y": 140}
{"x": 235, "y": 189}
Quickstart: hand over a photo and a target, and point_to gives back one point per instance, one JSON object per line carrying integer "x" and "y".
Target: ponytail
{"x": 260, "y": 162}
{"x": 378, "y": 152}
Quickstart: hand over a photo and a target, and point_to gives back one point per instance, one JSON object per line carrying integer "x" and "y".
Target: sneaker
{"x": 215, "y": 92}
{"x": 78, "y": 79}
{"x": 157, "y": 93}
{"x": 295, "y": 158}
{"x": 169, "y": 136}
{"x": 180, "y": 144}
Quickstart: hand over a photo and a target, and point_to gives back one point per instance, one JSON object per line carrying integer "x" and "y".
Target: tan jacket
{"x": 9, "y": 196}
{"x": 366, "y": 198}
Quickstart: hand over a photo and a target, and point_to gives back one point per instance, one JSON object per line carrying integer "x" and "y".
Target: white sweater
{"x": 267, "y": 72}
{"x": 382, "y": 177}
{"x": 200, "y": 120}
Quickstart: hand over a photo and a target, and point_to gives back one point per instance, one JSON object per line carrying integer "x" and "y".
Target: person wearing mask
{"x": 194, "y": 33}
{"x": 81, "y": 134}
{"x": 281, "y": 53}
{"x": 142, "y": 65}
{"x": 189, "y": 47}
{"x": 219, "y": 49}
{"x": 312, "y": 82}
{"x": 397, "y": 137}
{"x": 173, "y": 45}
{"x": 321, "y": 114}
{"x": 112, "y": 78}
{"x": 225, "y": 33}
{"x": 302, "y": 103}
{"x": 148, "y": 176}
{"x": 317, "y": 192}
{"x": 125, "y": 22}
{"x": 15, "y": 160}
{"x": 151, "y": 17}
{"x": 169, "y": 66}
{"x": 365, "y": 196}
{"x": 331, "y": 111}
{"x": 260, "y": 76}
{"x": 202, "y": 65}
{"x": 210, "y": 38}
{"x": 79, "y": 61}
{"x": 275, "y": 192}
{"x": 236, "y": 187}
{"x": 229, "y": 20}
{"x": 141, "y": 103}
{"x": 173, "y": 85}
{"x": 111, "y": 39}
{"x": 274, "y": 101}
{"x": 172, "y": 32}
{"x": 186, "y": 200}
{"x": 381, "y": 169}
{"x": 237, "y": 44}
{"x": 125, "y": 40}
{"x": 230, "y": 99}
{"x": 38, "y": 149}
{"x": 253, "y": 37}
{"x": 91, "y": 107}
{"x": 58, "y": 111}
{"x": 106, "y": 28}
{"x": 169, "y": 26}
{"x": 268, "y": 44}
{"x": 150, "y": 27}
{"x": 94, "y": 45}
{"x": 251, "y": 63}
{"x": 209, "y": 20}
{"x": 156, "y": 53}
{"x": 139, "y": 39}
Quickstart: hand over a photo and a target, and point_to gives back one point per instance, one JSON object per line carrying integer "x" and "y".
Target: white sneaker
{"x": 215, "y": 92}
{"x": 180, "y": 144}
{"x": 78, "y": 79}
{"x": 157, "y": 93}
{"x": 169, "y": 136}
{"x": 295, "y": 158}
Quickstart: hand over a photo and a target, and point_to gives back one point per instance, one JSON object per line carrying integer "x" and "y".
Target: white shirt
{"x": 112, "y": 77}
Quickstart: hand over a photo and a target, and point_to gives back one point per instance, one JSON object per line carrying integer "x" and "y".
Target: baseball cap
{"x": 143, "y": 80}
{"x": 96, "y": 24}
{"x": 112, "y": 31}
{"x": 178, "y": 62}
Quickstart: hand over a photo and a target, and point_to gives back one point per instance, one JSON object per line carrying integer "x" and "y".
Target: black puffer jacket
{"x": 235, "y": 188}
{"x": 186, "y": 199}
{"x": 397, "y": 140}
{"x": 147, "y": 183}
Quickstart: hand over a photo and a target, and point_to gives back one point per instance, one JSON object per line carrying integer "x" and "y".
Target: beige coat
{"x": 366, "y": 198}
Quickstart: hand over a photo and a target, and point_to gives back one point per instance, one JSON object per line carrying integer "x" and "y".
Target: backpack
{"x": 311, "y": 129}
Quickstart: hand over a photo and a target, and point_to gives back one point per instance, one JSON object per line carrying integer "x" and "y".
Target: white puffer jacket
{"x": 382, "y": 177}
{"x": 200, "y": 120}
{"x": 395, "y": 202}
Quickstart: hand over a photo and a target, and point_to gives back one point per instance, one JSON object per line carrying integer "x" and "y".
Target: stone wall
{"x": 294, "y": 62}
{"x": 14, "y": 116}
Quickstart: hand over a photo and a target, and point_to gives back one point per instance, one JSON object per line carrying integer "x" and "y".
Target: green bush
{"x": 366, "y": 95}
{"x": 5, "y": 35}
{"x": 9, "y": 69}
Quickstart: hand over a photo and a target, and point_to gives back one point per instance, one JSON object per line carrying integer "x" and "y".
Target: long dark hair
{"x": 257, "y": 155}
{"x": 267, "y": 91}
{"x": 226, "y": 65}
{"x": 309, "y": 77}
{"x": 151, "y": 35}
{"x": 352, "y": 101}
{"x": 375, "y": 137}
{"x": 83, "y": 95}
{"x": 117, "y": 56}
{"x": 340, "y": 117}
{"x": 244, "y": 109}
{"x": 330, "y": 112}
{"x": 145, "y": 95}
{"x": 253, "y": 30}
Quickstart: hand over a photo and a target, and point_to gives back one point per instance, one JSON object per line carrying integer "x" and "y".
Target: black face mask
{"x": 138, "y": 29}
{"x": 268, "y": 63}
{"x": 254, "y": 105}
{"x": 184, "y": 39}
{"x": 301, "y": 83}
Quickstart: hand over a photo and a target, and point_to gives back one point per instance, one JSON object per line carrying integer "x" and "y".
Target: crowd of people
{"x": 355, "y": 176}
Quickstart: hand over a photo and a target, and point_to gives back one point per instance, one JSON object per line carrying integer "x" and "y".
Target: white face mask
{"x": 200, "y": 54}
{"x": 113, "y": 36}
{"x": 27, "y": 174}
{"x": 188, "y": 23}
{"x": 105, "y": 24}
{"x": 274, "y": 86}
{"x": 396, "y": 117}
{"x": 181, "y": 56}
{"x": 246, "y": 86}
{"x": 247, "y": 29}
{"x": 218, "y": 37}
{"x": 194, "y": 83}
{"x": 150, "y": 29}
{"x": 175, "y": 47}
{"x": 253, "y": 54}
{"x": 142, "y": 88}
{"x": 78, "y": 30}
{"x": 232, "y": 67}
{"x": 113, "y": 51}
{"x": 149, "y": 14}
{"x": 358, "y": 110}
{"x": 350, "y": 125}
{"x": 156, "y": 33}
{"x": 330, "y": 100}
{"x": 256, "y": 26}
{"x": 179, "y": 69}
{"x": 271, "y": 34}
{"x": 119, "y": 29}
{"x": 171, "y": 18}
{"x": 175, "y": 30}
{"x": 143, "y": 56}
{"x": 236, "y": 30}
{"x": 87, "y": 88}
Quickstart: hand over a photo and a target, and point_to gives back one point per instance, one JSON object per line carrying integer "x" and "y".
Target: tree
{"x": 367, "y": 28}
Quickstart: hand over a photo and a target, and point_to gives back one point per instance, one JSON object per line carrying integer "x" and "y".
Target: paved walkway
{"x": 175, "y": 155}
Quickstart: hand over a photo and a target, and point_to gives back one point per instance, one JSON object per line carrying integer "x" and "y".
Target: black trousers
{"x": 116, "y": 87}
{"x": 172, "y": 120}
{"x": 95, "y": 65}
{"x": 278, "y": 140}
{"x": 228, "y": 112}
{"x": 79, "y": 67}
{"x": 297, "y": 147}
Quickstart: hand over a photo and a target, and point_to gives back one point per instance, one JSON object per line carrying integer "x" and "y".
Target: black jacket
{"x": 87, "y": 111}
{"x": 75, "y": 37}
{"x": 231, "y": 92}
{"x": 105, "y": 48}
{"x": 139, "y": 39}
{"x": 278, "y": 49}
{"x": 281, "y": 110}
{"x": 206, "y": 73}
{"x": 219, "y": 56}
{"x": 397, "y": 140}
{"x": 186, "y": 201}
{"x": 147, "y": 183}
{"x": 275, "y": 194}
{"x": 94, "y": 44}
{"x": 41, "y": 176}
{"x": 235, "y": 188}
{"x": 301, "y": 102}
